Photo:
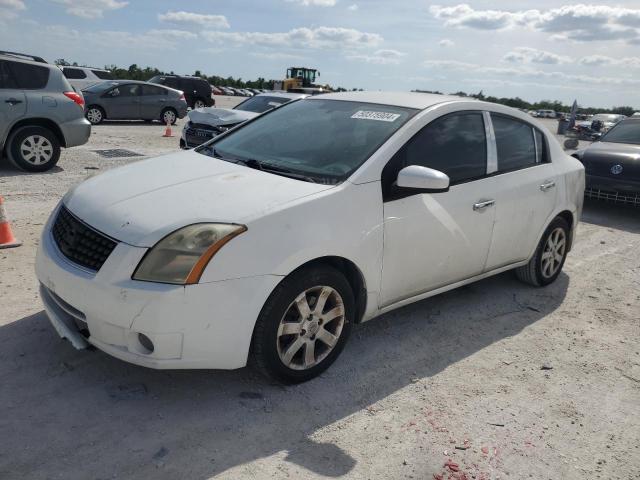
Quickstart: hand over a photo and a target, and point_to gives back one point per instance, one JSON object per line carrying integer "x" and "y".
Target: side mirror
{"x": 571, "y": 143}
{"x": 424, "y": 179}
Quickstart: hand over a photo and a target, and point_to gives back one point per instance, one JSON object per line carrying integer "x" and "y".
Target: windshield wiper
{"x": 267, "y": 167}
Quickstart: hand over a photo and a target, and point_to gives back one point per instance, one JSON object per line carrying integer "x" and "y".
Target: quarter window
{"x": 519, "y": 144}
{"x": 102, "y": 75}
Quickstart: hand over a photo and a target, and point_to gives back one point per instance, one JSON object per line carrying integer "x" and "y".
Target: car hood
{"x": 609, "y": 151}
{"x": 141, "y": 203}
{"x": 220, "y": 116}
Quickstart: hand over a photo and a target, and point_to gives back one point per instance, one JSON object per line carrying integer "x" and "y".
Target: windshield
{"x": 322, "y": 140}
{"x": 623, "y": 132}
{"x": 261, "y": 103}
{"x": 100, "y": 87}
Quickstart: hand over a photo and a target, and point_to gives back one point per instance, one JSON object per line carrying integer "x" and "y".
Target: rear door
{"x": 526, "y": 193}
{"x": 13, "y": 103}
{"x": 152, "y": 101}
{"x": 123, "y": 102}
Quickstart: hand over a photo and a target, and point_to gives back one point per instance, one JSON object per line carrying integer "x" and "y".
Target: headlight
{"x": 182, "y": 256}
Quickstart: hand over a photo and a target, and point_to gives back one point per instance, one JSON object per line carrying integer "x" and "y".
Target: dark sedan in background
{"x": 133, "y": 100}
{"x": 206, "y": 123}
{"x": 612, "y": 164}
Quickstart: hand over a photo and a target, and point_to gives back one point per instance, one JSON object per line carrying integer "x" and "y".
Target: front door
{"x": 435, "y": 239}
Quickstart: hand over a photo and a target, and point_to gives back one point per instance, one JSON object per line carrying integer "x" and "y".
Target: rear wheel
{"x": 95, "y": 115}
{"x": 548, "y": 260}
{"x": 34, "y": 149}
{"x": 304, "y": 325}
{"x": 199, "y": 103}
{"x": 168, "y": 115}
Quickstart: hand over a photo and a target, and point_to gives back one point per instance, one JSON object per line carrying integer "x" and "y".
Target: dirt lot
{"x": 495, "y": 380}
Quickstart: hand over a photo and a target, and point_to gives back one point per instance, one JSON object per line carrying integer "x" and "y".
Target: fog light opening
{"x": 146, "y": 342}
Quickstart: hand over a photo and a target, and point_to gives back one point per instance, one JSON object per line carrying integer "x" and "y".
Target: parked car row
{"x": 238, "y": 92}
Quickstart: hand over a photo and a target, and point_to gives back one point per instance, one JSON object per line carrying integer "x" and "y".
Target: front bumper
{"x": 617, "y": 190}
{"x": 206, "y": 325}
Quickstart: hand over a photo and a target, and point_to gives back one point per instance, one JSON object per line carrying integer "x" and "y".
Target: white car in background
{"x": 83, "y": 77}
{"x": 274, "y": 238}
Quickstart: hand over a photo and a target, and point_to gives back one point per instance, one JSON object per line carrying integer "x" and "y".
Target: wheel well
{"x": 353, "y": 275}
{"x": 40, "y": 122}
{"x": 568, "y": 217}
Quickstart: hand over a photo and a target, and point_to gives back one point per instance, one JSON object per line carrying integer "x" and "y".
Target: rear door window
{"x": 74, "y": 73}
{"x": 518, "y": 144}
{"x": 152, "y": 90}
{"x": 29, "y": 77}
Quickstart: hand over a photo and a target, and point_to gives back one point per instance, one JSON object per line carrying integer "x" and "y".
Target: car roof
{"x": 415, "y": 100}
{"x": 23, "y": 58}
{"x": 283, "y": 95}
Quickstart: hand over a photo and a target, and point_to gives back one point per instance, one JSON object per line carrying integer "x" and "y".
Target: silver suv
{"x": 39, "y": 112}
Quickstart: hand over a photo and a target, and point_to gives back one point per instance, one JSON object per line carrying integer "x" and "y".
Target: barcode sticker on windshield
{"x": 379, "y": 116}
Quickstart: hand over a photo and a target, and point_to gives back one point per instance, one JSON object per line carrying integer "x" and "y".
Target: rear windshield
{"x": 261, "y": 104}
{"x": 624, "y": 132}
{"x": 323, "y": 140}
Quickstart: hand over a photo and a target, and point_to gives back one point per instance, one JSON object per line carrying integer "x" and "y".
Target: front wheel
{"x": 548, "y": 260}
{"x": 304, "y": 325}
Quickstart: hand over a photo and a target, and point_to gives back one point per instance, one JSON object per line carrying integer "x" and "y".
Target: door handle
{"x": 547, "y": 185}
{"x": 482, "y": 205}
{"x": 13, "y": 101}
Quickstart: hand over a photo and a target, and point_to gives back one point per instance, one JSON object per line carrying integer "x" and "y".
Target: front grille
{"x": 80, "y": 243}
{"x": 615, "y": 197}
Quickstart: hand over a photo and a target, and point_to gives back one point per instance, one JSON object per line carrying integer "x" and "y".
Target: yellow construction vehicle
{"x": 301, "y": 80}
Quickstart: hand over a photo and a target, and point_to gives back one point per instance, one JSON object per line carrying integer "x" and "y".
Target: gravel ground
{"x": 494, "y": 380}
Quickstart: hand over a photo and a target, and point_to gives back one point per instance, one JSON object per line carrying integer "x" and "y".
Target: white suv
{"x": 83, "y": 77}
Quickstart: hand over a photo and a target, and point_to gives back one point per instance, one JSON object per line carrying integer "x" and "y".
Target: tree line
{"x": 134, "y": 72}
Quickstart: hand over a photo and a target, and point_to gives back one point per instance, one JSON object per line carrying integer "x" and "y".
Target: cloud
{"x": 445, "y": 42}
{"x": 531, "y": 74}
{"x": 320, "y": 37}
{"x": 90, "y": 9}
{"x": 173, "y": 34}
{"x": 276, "y": 56}
{"x": 9, "y": 9}
{"x": 352, "y": 8}
{"x": 314, "y": 3}
{"x": 600, "y": 60}
{"x": 380, "y": 57}
{"x": 533, "y": 55}
{"x": 582, "y": 23}
{"x": 205, "y": 20}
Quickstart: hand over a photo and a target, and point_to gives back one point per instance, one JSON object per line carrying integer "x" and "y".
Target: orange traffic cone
{"x": 167, "y": 131}
{"x": 7, "y": 240}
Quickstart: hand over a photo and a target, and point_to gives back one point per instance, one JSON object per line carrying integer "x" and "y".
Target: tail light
{"x": 182, "y": 96}
{"x": 76, "y": 97}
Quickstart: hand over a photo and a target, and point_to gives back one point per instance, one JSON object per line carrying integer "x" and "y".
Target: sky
{"x": 532, "y": 49}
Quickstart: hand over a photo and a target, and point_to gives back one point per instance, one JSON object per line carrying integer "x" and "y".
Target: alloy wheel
{"x": 169, "y": 117}
{"x": 94, "y": 115}
{"x": 310, "y": 328}
{"x": 553, "y": 253}
{"x": 198, "y": 104}
{"x": 36, "y": 150}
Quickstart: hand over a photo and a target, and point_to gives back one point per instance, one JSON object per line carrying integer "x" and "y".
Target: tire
{"x": 282, "y": 353}
{"x": 34, "y": 149}
{"x": 168, "y": 115}
{"x": 198, "y": 103}
{"x": 95, "y": 115}
{"x": 544, "y": 268}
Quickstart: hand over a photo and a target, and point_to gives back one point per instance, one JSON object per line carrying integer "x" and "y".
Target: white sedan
{"x": 270, "y": 241}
